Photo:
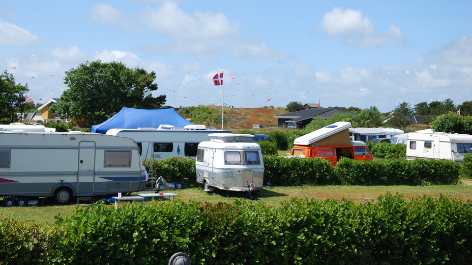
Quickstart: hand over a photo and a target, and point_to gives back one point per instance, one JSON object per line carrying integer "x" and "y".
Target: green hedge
{"x": 390, "y": 231}
{"x": 293, "y": 171}
{"x": 387, "y": 150}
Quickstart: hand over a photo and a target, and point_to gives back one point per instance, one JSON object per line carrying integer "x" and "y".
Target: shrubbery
{"x": 300, "y": 231}
{"x": 387, "y": 150}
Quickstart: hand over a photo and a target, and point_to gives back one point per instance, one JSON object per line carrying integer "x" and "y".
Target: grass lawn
{"x": 271, "y": 196}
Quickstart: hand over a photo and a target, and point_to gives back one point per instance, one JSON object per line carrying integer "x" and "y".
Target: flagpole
{"x": 223, "y": 105}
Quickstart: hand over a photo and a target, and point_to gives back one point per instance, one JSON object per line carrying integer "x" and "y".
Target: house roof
{"x": 417, "y": 118}
{"x": 50, "y": 102}
{"x": 302, "y": 115}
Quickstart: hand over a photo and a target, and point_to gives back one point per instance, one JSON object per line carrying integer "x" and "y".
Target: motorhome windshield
{"x": 242, "y": 158}
{"x": 464, "y": 148}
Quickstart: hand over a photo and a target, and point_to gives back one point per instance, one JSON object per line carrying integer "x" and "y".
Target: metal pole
{"x": 223, "y": 105}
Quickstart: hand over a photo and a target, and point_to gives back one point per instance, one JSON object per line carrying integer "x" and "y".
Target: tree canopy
{"x": 12, "y": 97}
{"x": 99, "y": 90}
{"x": 295, "y": 106}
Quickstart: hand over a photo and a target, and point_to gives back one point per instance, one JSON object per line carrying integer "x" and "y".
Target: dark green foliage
{"x": 175, "y": 169}
{"x": 300, "y": 231}
{"x": 397, "y": 172}
{"x": 12, "y": 97}
{"x": 279, "y": 139}
{"x": 452, "y": 123}
{"x": 466, "y": 167}
{"x": 387, "y": 150}
{"x": 282, "y": 171}
{"x": 268, "y": 147}
{"x": 65, "y": 127}
{"x": 295, "y": 106}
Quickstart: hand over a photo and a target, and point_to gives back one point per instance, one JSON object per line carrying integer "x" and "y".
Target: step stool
{"x": 84, "y": 199}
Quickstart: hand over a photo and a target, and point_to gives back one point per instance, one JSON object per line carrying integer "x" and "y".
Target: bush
{"x": 279, "y": 139}
{"x": 268, "y": 147}
{"x": 466, "y": 167}
{"x": 174, "y": 169}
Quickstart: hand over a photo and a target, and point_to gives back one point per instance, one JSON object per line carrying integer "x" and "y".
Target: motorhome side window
{"x": 360, "y": 151}
{"x": 413, "y": 145}
{"x": 464, "y": 148}
{"x": 5, "y": 158}
{"x": 117, "y": 158}
{"x": 200, "y": 153}
{"x": 252, "y": 158}
{"x": 327, "y": 152}
{"x": 191, "y": 149}
{"x": 233, "y": 158}
{"x": 427, "y": 144}
{"x": 163, "y": 147}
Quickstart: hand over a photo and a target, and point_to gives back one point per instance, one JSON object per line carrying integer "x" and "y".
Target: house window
{"x": 252, "y": 158}
{"x": 413, "y": 145}
{"x": 117, "y": 158}
{"x": 427, "y": 144}
{"x": 5, "y": 158}
{"x": 200, "y": 153}
{"x": 163, "y": 147}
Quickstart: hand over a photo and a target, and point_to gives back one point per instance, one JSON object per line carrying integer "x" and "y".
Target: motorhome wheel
{"x": 208, "y": 188}
{"x": 63, "y": 196}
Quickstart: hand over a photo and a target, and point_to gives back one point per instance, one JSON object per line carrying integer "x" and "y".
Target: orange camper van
{"x": 331, "y": 143}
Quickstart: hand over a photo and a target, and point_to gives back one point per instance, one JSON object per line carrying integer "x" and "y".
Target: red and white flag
{"x": 218, "y": 79}
{"x": 459, "y": 112}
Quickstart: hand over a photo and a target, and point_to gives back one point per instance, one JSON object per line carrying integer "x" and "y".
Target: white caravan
{"x": 14, "y": 126}
{"x": 438, "y": 145}
{"x": 67, "y": 165}
{"x": 230, "y": 162}
{"x": 167, "y": 141}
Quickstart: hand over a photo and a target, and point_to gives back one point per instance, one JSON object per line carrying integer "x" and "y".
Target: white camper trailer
{"x": 167, "y": 141}
{"x": 438, "y": 145}
{"x": 230, "y": 162}
{"x": 15, "y": 126}
{"x": 65, "y": 165}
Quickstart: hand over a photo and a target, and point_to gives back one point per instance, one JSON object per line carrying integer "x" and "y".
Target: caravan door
{"x": 436, "y": 148}
{"x": 86, "y": 174}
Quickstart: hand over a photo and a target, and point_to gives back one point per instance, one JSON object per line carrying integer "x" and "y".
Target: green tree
{"x": 368, "y": 118}
{"x": 12, "y": 97}
{"x": 397, "y": 120}
{"x": 99, "y": 90}
{"x": 422, "y": 108}
{"x": 452, "y": 123}
{"x": 295, "y": 106}
{"x": 466, "y": 108}
{"x": 404, "y": 109}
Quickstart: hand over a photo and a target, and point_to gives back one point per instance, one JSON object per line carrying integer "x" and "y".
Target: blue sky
{"x": 341, "y": 53}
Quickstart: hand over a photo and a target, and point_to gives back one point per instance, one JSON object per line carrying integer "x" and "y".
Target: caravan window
{"x": 413, "y": 145}
{"x": 191, "y": 149}
{"x": 327, "y": 152}
{"x": 163, "y": 147}
{"x": 252, "y": 158}
{"x": 427, "y": 144}
{"x": 5, "y": 158}
{"x": 117, "y": 158}
{"x": 464, "y": 148}
{"x": 360, "y": 151}
{"x": 233, "y": 158}
{"x": 200, "y": 153}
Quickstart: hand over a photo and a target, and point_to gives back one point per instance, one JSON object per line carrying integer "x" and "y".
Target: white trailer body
{"x": 230, "y": 162}
{"x": 64, "y": 165}
{"x": 166, "y": 143}
{"x": 19, "y": 126}
{"x": 438, "y": 145}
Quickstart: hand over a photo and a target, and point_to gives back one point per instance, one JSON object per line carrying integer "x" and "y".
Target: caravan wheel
{"x": 207, "y": 188}
{"x": 63, "y": 196}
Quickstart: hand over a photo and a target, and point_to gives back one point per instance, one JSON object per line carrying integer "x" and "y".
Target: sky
{"x": 337, "y": 53}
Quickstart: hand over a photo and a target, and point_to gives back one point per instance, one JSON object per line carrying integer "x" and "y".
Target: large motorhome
{"x": 167, "y": 141}
{"x": 66, "y": 165}
{"x": 230, "y": 162}
{"x": 438, "y": 145}
{"x": 331, "y": 143}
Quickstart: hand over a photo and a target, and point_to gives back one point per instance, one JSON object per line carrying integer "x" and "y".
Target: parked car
{"x": 381, "y": 140}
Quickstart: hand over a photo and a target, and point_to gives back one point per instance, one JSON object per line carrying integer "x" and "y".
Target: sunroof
{"x": 332, "y": 126}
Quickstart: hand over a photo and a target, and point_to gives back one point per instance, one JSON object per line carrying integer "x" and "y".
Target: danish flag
{"x": 218, "y": 79}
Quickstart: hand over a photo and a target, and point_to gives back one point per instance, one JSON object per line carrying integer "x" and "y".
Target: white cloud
{"x": 358, "y": 30}
{"x": 459, "y": 52}
{"x": 108, "y": 15}
{"x": 11, "y": 34}
{"x": 70, "y": 54}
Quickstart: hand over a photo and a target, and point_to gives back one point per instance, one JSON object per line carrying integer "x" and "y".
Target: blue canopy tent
{"x": 129, "y": 118}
